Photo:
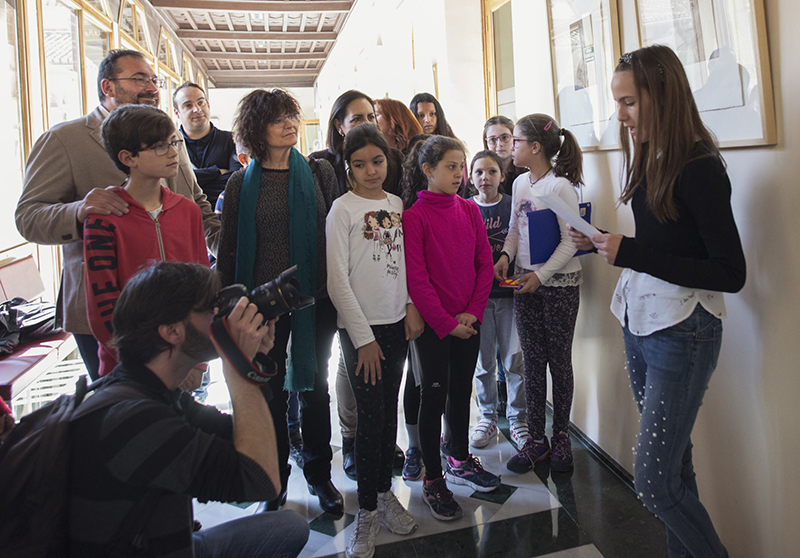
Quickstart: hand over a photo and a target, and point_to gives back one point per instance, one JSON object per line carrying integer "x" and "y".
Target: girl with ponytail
{"x": 546, "y": 303}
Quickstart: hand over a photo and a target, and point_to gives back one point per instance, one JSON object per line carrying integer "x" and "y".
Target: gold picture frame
{"x": 585, "y": 46}
{"x": 723, "y": 47}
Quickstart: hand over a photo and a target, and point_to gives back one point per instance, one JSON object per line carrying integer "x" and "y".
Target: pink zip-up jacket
{"x": 448, "y": 259}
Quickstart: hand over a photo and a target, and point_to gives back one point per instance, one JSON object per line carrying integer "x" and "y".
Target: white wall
{"x": 747, "y": 440}
{"x": 445, "y": 32}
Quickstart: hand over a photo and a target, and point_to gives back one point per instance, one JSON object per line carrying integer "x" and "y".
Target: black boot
{"x": 330, "y": 499}
{"x": 349, "y": 457}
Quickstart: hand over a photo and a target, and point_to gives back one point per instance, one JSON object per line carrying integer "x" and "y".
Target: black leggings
{"x": 377, "y": 411}
{"x": 447, "y": 366}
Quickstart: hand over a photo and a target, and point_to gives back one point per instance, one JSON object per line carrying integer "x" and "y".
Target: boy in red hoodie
{"x": 159, "y": 225}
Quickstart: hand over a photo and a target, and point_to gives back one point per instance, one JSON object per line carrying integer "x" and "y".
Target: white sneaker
{"x": 362, "y": 542}
{"x": 519, "y": 434}
{"x": 482, "y": 434}
{"x": 393, "y": 515}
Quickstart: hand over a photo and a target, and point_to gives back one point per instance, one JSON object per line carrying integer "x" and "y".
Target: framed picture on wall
{"x": 723, "y": 47}
{"x": 584, "y": 45}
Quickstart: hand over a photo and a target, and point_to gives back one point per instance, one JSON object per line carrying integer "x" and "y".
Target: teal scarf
{"x": 301, "y": 366}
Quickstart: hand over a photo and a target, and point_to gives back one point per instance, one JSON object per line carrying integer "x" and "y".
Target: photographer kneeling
{"x": 137, "y": 464}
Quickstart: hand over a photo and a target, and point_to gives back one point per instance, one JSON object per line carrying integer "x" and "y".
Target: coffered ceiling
{"x": 256, "y": 43}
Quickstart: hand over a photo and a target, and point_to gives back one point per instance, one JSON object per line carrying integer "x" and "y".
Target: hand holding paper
{"x": 563, "y": 210}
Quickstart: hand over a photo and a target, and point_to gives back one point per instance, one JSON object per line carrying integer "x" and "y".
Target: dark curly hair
{"x": 255, "y": 112}
{"x": 431, "y": 151}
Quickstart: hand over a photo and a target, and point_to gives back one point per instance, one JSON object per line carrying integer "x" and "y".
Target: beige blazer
{"x": 66, "y": 163}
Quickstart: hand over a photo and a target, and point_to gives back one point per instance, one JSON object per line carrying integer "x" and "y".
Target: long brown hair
{"x": 565, "y": 156}
{"x": 403, "y": 123}
{"x": 673, "y": 128}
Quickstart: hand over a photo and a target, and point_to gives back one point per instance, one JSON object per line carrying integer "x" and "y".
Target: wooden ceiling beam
{"x": 220, "y": 35}
{"x": 200, "y": 55}
{"x": 256, "y": 82}
{"x": 262, "y": 73}
{"x": 310, "y": 6}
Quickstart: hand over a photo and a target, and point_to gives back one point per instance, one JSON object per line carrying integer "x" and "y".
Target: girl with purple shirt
{"x": 449, "y": 270}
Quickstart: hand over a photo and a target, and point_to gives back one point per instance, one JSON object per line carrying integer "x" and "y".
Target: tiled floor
{"x": 590, "y": 513}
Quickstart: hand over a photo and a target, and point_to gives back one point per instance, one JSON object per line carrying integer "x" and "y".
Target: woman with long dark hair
{"x": 430, "y": 115}
{"x": 349, "y": 110}
{"x": 274, "y": 218}
{"x": 685, "y": 254}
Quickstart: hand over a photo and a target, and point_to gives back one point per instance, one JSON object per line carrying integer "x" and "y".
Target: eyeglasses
{"x": 293, "y": 118}
{"x": 493, "y": 140}
{"x": 517, "y": 140}
{"x": 142, "y": 81}
{"x": 162, "y": 149}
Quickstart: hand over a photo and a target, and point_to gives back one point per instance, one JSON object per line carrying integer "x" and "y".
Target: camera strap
{"x": 259, "y": 372}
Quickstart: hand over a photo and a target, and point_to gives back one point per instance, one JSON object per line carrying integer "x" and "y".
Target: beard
{"x": 197, "y": 345}
{"x": 126, "y": 97}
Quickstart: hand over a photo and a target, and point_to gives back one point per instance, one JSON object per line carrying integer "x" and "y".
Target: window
{"x": 133, "y": 26}
{"x": 11, "y": 155}
{"x": 499, "y": 58}
{"x": 96, "y": 44}
{"x": 61, "y": 62}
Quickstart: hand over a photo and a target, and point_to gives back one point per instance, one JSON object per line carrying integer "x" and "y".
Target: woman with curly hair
{"x": 273, "y": 218}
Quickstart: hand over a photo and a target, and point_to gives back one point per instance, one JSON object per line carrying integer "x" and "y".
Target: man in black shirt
{"x": 210, "y": 149}
{"x": 141, "y": 460}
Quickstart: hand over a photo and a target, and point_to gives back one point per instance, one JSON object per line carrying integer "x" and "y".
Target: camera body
{"x": 273, "y": 299}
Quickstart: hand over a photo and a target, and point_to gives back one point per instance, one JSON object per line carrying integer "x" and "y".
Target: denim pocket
{"x": 700, "y": 324}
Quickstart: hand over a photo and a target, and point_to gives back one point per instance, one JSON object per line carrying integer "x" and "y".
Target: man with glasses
{"x": 210, "y": 149}
{"x": 69, "y": 177}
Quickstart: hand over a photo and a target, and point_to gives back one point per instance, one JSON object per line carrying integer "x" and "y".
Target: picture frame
{"x": 584, "y": 47}
{"x": 723, "y": 47}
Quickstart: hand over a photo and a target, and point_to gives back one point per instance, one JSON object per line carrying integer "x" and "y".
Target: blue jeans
{"x": 278, "y": 534}
{"x": 669, "y": 372}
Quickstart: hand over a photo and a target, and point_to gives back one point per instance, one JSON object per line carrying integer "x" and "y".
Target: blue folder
{"x": 544, "y": 234}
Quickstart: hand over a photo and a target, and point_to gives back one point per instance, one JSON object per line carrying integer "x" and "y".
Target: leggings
{"x": 546, "y": 325}
{"x": 447, "y": 366}
{"x": 376, "y": 430}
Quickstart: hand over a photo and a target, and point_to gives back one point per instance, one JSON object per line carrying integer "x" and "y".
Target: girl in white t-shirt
{"x": 376, "y": 322}
{"x": 546, "y": 303}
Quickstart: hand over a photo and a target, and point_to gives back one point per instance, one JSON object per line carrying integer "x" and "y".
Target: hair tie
{"x": 547, "y": 126}
{"x": 561, "y": 132}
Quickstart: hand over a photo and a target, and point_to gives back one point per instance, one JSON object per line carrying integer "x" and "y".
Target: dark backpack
{"x": 34, "y": 472}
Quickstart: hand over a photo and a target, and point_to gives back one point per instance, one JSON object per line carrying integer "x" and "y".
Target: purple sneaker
{"x": 532, "y": 452}
{"x": 561, "y": 455}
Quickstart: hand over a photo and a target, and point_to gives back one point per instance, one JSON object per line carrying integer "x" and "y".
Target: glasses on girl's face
{"x": 293, "y": 118}
{"x": 517, "y": 140}
{"x": 492, "y": 140}
{"x": 162, "y": 148}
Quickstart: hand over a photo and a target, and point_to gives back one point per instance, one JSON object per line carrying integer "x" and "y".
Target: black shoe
{"x": 272, "y": 505}
{"x": 330, "y": 499}
{"x": 349, "y": 457}
{"x": 399, "y": 457}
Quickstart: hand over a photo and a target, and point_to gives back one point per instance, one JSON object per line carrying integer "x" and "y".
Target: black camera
{"x": 279, "y": 296}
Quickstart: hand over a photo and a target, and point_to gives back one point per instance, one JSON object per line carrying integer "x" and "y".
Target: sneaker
{"x": 519, "y": 434}
{"x": 531, "y": 453}
{"x": 440, "y": 500}
{"x": 471, "y": 473}
{"x": 393, "y": 515}
{"x": 483, "y": 433}
{"x": 561, "y": 455}
{"x": 362, "y": 541}
{"x": 413, "y": 467}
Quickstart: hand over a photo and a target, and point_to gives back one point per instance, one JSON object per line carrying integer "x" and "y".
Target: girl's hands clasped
{"x": 464, "y": 329}
{"x": 369, "y": 359}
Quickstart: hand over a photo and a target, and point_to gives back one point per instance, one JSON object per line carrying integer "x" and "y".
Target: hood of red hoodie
{"x": 168, "y": 199}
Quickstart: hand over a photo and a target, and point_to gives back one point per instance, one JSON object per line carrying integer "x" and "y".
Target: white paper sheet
{"x": 563, "y": 210}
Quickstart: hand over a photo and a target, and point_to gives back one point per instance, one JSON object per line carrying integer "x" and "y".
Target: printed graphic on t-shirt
{"x": 384, "y": 229}
{"x": 497, "y": 232}
{"x": 522, "y": 210}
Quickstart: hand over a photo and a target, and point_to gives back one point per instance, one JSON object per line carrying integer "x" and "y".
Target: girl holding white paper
{"x": 546, "y": 305}
{"x": 668, "y": 299}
